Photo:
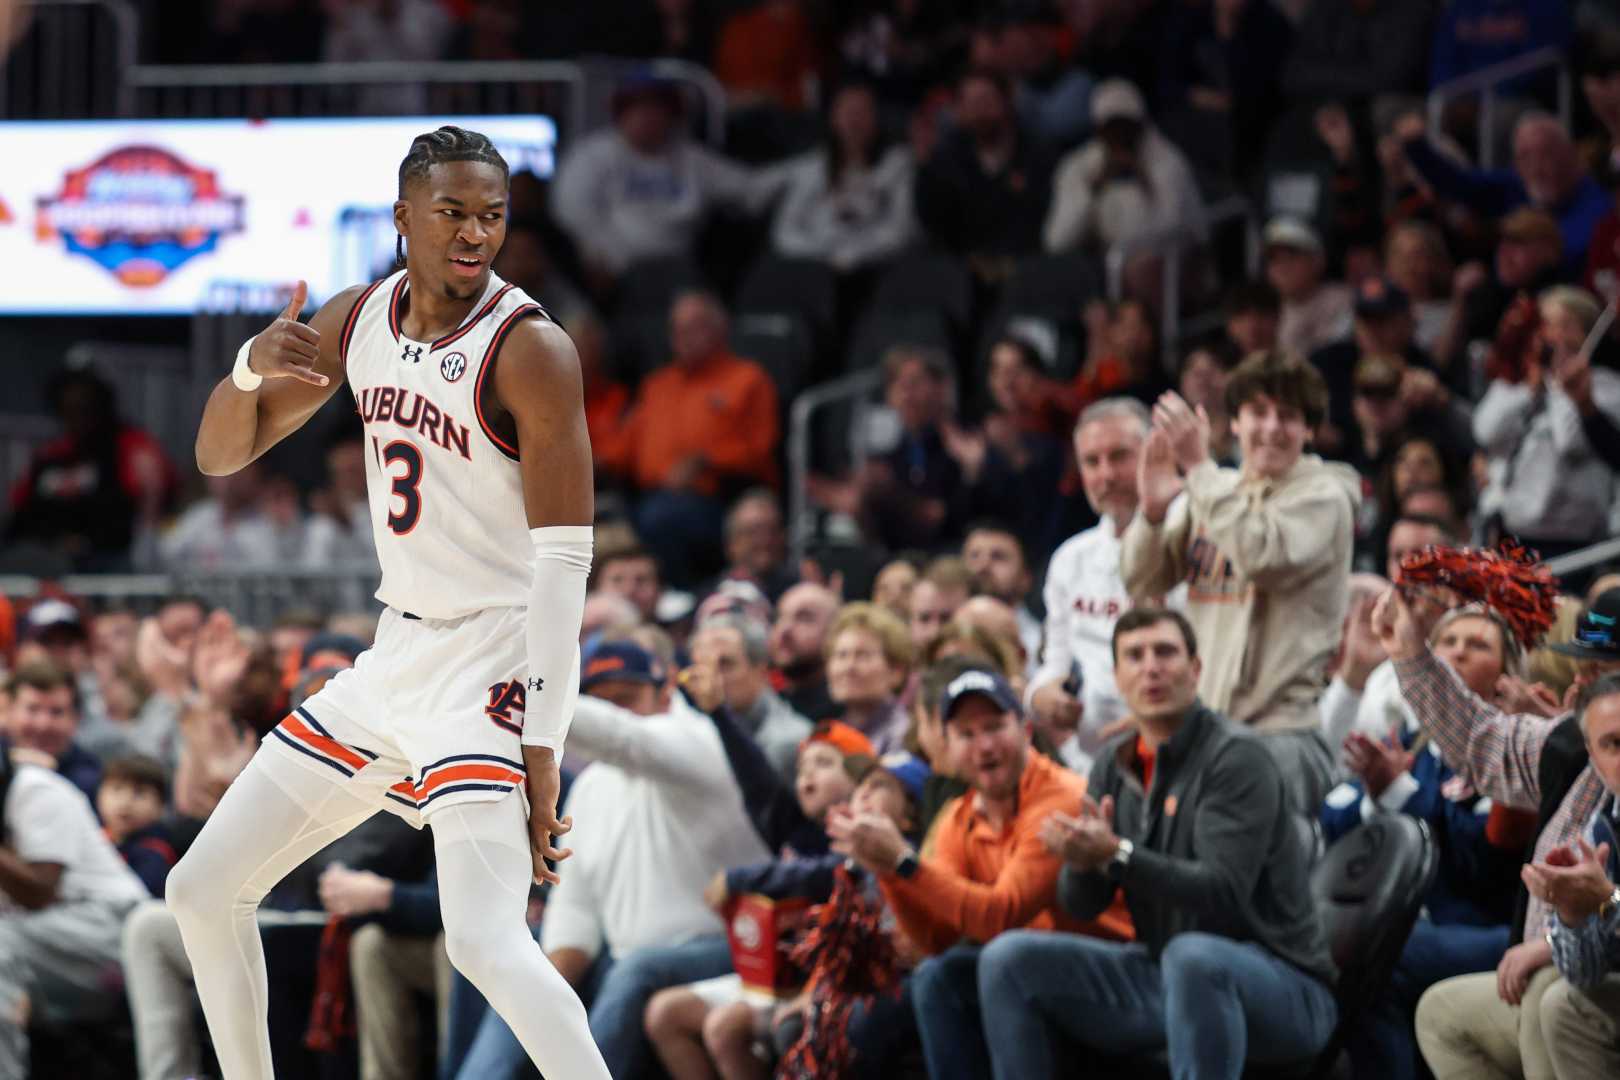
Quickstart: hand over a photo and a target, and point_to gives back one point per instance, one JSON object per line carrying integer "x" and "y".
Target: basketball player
{"x": 478, "y": 471}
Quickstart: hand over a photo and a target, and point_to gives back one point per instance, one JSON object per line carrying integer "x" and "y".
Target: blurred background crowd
{"x": 876, "y": 379}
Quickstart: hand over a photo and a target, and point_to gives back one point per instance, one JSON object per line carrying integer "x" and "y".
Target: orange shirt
{"x": 605, "y": 404}
{"x": 980, "y": 882}
{"x": 723, "y": 409}
{"x": 768, "y": 51}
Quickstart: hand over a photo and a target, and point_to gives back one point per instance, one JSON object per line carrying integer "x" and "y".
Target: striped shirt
{"x": 1500, "y": 757}
{"x": 1585, "y": 954}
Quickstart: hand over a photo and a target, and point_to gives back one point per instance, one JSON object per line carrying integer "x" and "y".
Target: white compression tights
{"x": 259, "y": 833}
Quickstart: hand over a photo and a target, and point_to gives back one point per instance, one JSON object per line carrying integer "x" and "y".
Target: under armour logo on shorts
{"x": 536, "y": 684}
{"x": 412, "y": 353}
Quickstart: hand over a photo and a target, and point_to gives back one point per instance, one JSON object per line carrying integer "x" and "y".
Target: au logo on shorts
{"x": 452, "y": 366}
{"x": 506, "y": 705}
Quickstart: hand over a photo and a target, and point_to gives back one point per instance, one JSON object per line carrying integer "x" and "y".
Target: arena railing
{"x": 1487, "y": 82}
{"x": 1587, "y": 557}
{"x": 1172, "y": 247}
{"x": 255, "y": 598}
{"x": 854, "y": 390}
{"x": 65, "y": 59}
{"x": 577, "y": 93}
{"x": 79, "y": 59}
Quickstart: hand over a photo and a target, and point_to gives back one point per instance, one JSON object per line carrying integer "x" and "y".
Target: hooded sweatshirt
{"x": 1267, "y": 566}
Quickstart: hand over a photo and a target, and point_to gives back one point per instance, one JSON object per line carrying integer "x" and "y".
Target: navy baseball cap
{"x": 910, "y": 770}
{"x": 1379, "y": 296}
{"x": 984, "y": 683}
{"x": 621, "y": 661}
{"x": 1597, "y": 631}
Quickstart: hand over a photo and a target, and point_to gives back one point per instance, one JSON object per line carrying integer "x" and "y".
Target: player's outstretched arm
{"x": 301, "y": 369}
{"x": 537, "y": 381}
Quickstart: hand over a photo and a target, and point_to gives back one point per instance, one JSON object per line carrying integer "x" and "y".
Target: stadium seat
{"x": 639, "y": 330}
{"x": 927, "y": 281}
{"x": 651, "y": 284}
{"x": 1056, "y": 286}
{"x": 883, "y": 327}
{"x": 1370, "y": 887}
{"x": 806, "y": 288}
{"x": 780, "y": 342}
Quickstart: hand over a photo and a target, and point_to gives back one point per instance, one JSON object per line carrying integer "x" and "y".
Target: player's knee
{"x": 483, "y": 954}
{"x": 193, "y": 893}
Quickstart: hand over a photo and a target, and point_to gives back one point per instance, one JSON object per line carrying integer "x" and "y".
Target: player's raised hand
{"x": 287, "y": 348}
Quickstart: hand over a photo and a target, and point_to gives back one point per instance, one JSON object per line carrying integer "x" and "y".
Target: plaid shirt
{"x": 1585, "y": 954}
{"x": 1500, "y": 756}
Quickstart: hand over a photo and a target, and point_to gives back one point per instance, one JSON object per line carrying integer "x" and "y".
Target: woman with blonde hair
{"x": 869, "y": 657}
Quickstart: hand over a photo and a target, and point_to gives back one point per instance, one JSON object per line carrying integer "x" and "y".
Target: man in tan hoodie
{"x": 1264, "y": 550}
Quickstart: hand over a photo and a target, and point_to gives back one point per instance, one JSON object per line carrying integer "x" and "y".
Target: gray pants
{"x": 1307, "y": 766}
{"x": 1582, "y": 1029}
{"x": 388, "y": 972}
{"x": 162, "y": 996}
{"x": 1467, "y": 1032}
{"x": 56, "y": 965}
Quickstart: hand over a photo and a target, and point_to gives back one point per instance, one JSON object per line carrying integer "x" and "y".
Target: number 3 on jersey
{"x": 405, "y": 486}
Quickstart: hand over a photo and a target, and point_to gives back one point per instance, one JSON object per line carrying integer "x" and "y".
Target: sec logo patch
{"x": 452, "y": 366}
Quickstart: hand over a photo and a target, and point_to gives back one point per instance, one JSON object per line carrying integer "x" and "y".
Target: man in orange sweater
{"x": 987, "y": 872}
{"x": 702, "y": 428}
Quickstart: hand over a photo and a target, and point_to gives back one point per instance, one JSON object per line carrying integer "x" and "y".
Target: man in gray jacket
{"x": 1230, "y": 962}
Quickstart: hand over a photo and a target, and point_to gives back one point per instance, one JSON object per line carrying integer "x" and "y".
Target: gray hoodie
{"x": 1267, "y": 565}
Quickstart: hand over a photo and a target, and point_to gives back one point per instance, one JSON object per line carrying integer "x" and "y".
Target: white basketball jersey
{"x": 442, "y": 463}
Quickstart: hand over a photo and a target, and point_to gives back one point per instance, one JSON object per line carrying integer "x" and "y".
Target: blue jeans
{"x": 1214, "y": 1002}
{"x": 616, "y": 992}
{"x": 945, "y": 997}
{"x": 684, "y": 531}
{"x": 1381, "y": 1041}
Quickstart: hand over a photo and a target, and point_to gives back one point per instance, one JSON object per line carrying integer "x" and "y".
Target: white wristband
{"x": 245, "y": 378}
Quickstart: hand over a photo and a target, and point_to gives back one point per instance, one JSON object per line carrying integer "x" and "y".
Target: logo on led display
{"x": 141, "y": 212}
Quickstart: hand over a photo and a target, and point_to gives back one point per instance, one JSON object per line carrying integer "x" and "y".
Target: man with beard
{"x": 984, "y": 872}
{"x": 798, "y": 650}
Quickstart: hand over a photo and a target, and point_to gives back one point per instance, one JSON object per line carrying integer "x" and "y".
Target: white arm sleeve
{"x": 562, "y": 562}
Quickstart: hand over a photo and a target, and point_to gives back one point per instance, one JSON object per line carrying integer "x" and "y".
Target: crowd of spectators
{"x": 1089, "y": 625}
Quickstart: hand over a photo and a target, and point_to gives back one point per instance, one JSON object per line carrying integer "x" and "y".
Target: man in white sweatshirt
{"x": 640, "y": 188}
{"x": 658, "y": 814}
{"x": 1084, "y": 592}
{"x": 1265, "y": 551}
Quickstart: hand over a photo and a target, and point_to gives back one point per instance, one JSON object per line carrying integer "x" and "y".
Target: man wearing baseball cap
{"x": 1193, "y": 829}
{"x": 987, "y": 872}
{"x": 1527, "y": 761}
{"x": 1315, "y": 312}
{"x": 1128, "y": 181}
{"x": 658, "y": 813}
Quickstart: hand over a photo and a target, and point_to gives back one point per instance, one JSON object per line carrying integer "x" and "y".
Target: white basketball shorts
{"x": 429, "y": 717}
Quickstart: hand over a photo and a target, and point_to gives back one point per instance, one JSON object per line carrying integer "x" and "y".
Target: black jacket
{"x": 1217, "y": 849}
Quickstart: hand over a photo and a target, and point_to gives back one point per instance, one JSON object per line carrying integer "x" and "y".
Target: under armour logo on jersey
{"x": 412, "y": 354}
{"x": 452, "y": 366}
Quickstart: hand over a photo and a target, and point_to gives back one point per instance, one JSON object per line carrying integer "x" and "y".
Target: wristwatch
{"x": 1606, "y": 908}
{"x": 1121, "y": 859}
{"x": 906, "y": 865}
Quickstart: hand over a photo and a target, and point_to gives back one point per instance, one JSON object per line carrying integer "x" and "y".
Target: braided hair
{"x": 448, "y": 143}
